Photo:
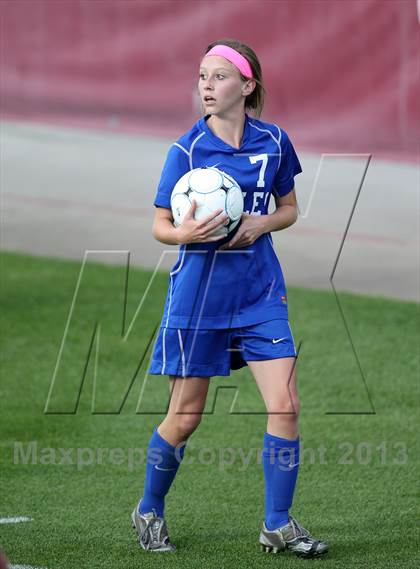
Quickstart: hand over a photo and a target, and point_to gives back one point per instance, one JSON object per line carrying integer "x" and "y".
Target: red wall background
{"x": 341, "y": 76}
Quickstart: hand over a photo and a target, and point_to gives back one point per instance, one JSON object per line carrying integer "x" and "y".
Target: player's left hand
{"x": 250, "y": 229}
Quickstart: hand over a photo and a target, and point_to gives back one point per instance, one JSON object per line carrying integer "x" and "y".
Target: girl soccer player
{"x": 226, "y": 305}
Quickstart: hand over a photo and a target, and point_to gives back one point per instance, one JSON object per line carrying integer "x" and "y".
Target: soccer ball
{"x": 212, "y": 189}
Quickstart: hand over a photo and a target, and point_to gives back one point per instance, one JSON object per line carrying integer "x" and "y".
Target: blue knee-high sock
{"x": 280, "y": 464}
{"x": 163, "y": 461}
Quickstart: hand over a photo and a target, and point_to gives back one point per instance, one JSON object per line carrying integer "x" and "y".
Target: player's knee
{"x": 186, "y": 423}
{"x": 284, "y": 407}
{"x": 296, "y": 406}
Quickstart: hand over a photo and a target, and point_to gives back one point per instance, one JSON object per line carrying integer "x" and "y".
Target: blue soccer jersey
{"x": 211, "y": 289}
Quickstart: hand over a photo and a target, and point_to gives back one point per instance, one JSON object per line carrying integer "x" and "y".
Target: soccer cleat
{"x": 292, "y": 537}
{"x": 152, "y": 531}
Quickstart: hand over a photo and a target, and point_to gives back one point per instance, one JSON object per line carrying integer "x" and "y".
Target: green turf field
{"x": 77, "y": 470}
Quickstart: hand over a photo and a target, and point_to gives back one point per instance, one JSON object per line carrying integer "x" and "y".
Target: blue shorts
{"x": 204, "y": 353}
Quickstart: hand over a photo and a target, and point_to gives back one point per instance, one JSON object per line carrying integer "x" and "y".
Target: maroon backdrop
{"x": 341, "y": 76}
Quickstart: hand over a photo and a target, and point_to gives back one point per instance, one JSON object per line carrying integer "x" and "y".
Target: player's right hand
{"x": 194, "y": 231}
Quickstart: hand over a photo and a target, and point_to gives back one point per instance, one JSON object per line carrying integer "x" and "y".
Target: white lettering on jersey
{"x": 264, "y": 159}
{"x": 257, "y": 196}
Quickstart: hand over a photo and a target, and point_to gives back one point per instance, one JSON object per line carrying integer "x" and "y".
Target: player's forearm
{"x": 165, "y": 232}
{"x": 283, "y": 217}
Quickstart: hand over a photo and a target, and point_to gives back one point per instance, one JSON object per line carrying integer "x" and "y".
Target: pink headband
{"x": 234, "y": 57}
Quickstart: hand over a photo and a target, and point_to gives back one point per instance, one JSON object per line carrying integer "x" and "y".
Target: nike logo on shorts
{"x": 279, "y": 340}
{"x": 166, "y": 469}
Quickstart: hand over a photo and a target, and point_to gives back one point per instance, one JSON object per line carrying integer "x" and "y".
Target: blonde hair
{"x": 254, "y": 101}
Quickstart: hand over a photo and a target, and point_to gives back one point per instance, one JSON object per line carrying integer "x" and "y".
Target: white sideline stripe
{"x": 25, "y": 567}
{"x": 17, "y": 520}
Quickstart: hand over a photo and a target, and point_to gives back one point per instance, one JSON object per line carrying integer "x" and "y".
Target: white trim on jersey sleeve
{"x": 190, "y": 152}
{"x": 181, "y": 147}
{"x": 273, "y": 137}
{"x": 279, "y": 142}
{"x": 194, "y": 142}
